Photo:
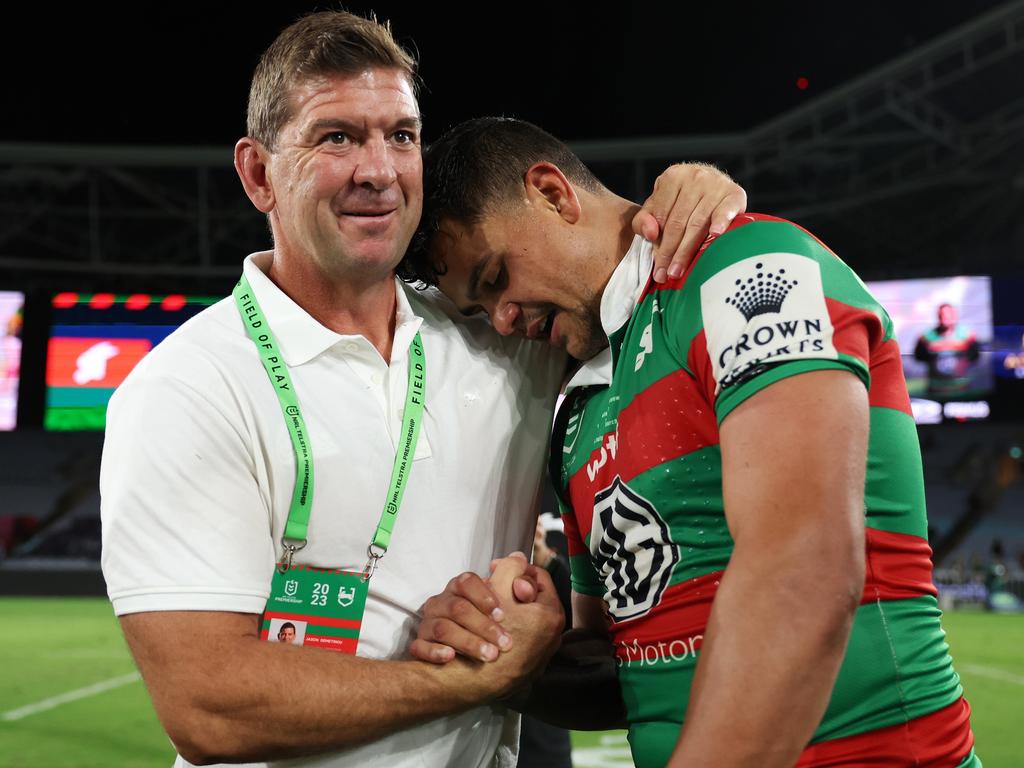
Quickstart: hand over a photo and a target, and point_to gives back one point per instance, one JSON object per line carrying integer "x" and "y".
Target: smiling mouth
{"x": 369, "y": 214}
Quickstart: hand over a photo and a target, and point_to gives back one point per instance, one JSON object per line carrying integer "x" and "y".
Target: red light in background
{"x": 172, "y": 303}
{"x": 102, "y": 301}
{"x": 65, "y": 300}
{"x": 138, "y": 301}
{"x": 802, "y": 83}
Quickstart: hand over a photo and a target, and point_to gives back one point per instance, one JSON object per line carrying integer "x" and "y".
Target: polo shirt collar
{"x": 620, "y": 297}
{"x": 301, "y": 337}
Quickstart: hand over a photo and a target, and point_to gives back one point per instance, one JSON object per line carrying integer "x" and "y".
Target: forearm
{"x": 322, "y": 704}
{"x": 242, "y": 699}
{"x": 579, "y": 688}
{"x": 770, "y": 656}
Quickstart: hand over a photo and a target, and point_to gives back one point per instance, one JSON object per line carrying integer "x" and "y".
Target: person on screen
{"x": 948, "y": 350}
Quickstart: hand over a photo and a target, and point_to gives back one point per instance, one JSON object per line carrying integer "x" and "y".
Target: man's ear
{"x": 252, "y": 164}
{"x": 548, "y": 189}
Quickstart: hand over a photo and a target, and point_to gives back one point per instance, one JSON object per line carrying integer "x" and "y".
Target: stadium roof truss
{"x": 915, "y": 167}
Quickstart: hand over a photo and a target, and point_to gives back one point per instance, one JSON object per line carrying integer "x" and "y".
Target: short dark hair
{"x": 286, "y": 625}
{"x": 318, "y": 44}
{"x": 472, "y": 170}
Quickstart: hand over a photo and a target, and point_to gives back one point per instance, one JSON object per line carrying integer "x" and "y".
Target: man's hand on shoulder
{"x": 690, "y": 201}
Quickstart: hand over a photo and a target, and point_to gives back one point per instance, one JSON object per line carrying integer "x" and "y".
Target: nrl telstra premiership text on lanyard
{"x": 323, "y": 607}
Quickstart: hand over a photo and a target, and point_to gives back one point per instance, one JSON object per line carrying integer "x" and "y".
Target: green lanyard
{"x": 294, "y": 537}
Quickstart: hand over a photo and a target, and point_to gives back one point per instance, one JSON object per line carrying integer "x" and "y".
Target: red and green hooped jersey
{"x": 641, "y": 468}
{"x": 949, "y": 357}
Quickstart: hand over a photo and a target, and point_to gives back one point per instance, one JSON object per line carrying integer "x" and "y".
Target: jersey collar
{"x": 620, "y": 297}
{"x": 300, "y": 336}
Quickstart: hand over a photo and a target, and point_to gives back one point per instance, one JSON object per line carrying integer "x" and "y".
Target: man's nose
{"x": 505, "y": 316}
{"x": 376, "y": 166}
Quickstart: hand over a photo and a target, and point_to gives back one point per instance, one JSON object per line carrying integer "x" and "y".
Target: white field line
{"x": 993, "y": 672}
{"x": 64, "y": 698}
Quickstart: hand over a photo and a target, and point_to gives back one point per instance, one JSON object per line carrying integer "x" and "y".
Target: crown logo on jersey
{"x": 761, "y": 293}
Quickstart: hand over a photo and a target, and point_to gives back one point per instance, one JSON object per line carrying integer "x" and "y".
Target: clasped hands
{"x": 511, "y": 621}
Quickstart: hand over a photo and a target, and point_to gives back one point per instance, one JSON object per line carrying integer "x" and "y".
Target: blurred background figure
{"x": 999, "y": 599}
{"x": 948, "y": 350}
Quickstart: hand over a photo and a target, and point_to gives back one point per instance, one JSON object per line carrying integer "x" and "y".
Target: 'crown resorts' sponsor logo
{"x": 767, "y": 335}
{"x": 630, "y": 544}
{"x": 762, "y": 292}
{"x": 768, "y": 308}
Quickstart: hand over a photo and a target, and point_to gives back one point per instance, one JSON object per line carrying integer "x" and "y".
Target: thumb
{"x": 645, "y": 225}
{"x": 524, "y": 589}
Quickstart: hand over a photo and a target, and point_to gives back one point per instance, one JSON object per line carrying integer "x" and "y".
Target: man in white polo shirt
{"x": 245, "y": 472}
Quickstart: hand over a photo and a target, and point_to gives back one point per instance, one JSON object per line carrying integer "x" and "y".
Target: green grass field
{"x": 70, "y": 698}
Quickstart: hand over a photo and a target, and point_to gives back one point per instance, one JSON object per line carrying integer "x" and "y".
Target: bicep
{"x": 168, "y": 639}
{"x": 181, "y": 655}
{"x": 184, "y": 522}
{"x": 794, "y": 455}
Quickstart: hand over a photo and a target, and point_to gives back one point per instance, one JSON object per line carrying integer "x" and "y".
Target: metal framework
{"x": 917, "y": 166}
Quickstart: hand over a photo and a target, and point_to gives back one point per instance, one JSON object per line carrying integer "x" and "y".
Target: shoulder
{"x": 475, "y": 337}
{"x": 753, "y": 235}
{"x": 756, "y": 264}
{"x": 204, "y": 355}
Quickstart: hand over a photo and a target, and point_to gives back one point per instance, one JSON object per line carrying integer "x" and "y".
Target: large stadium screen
{"x": 1008, "y": 346}
{"x": 95, "y": 342}
{"x": 12, "y": 307}
{"x": 945, "y": 332}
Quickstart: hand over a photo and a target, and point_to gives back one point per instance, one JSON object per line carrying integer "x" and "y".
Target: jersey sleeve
{"x": 765, "y": 301}
{"x": 185, "y": 526}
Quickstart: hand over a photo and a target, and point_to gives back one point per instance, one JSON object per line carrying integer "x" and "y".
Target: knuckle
{"x": 440, "y": 630}
{"x": 460, "y": 608}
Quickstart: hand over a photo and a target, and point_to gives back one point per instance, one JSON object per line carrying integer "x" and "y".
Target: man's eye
{"x": 499, "y": 279}
{"x": 337, "y": 137}
{"x": 404, "y": 137}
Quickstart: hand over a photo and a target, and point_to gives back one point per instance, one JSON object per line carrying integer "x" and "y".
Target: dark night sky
{"x": 178, "y": 74}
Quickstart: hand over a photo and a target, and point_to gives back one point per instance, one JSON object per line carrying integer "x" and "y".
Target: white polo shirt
{"x": 198, "y": 472}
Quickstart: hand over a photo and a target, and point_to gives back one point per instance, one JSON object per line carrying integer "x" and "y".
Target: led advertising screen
{"x": 12, "y": 306}
{"x": 95, "y": 342}
{"x": 1008, "y": 352}
{"x": 945, "y": 332}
